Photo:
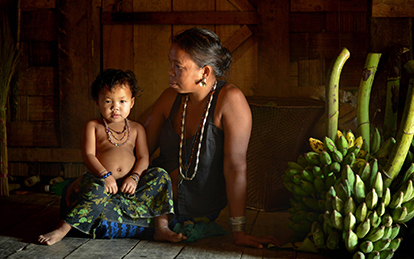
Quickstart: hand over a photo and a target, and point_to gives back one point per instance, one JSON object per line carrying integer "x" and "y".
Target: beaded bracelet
{"x": 133, "y": 176}
{"x": 237, "y": 224}
{"x": 106, "y": 175}
{"x": 103, "y": 172}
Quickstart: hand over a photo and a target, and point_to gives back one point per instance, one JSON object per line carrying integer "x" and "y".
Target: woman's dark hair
{"x": 110, "y": 78}
{"x": 204, "y": 47}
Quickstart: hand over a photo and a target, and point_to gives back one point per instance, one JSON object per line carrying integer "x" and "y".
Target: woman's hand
{"x": 128, "y": 186}
{"x": 243, "y": 239}
{"x": 110, "y": 185}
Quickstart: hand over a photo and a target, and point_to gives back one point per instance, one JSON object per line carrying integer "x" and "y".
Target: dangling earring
{"x": 203, "y": 82}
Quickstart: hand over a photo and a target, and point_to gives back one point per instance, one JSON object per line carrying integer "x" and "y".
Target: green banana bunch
{"x": 340, "y": 187}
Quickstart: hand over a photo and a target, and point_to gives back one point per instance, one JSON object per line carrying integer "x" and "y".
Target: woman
{"x": 202, "y": 127}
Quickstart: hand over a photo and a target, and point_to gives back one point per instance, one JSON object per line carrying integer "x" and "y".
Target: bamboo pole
{"x": 405, "y": 134}
{"x": 368, "y": 74}
{"x": 332, "y": 93}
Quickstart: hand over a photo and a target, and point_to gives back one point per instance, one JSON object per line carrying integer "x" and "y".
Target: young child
{"x": 115, "y": 152}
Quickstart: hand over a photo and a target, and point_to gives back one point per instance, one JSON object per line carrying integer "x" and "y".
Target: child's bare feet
{"x": 56, "y": 235}
{"x": 165, "y": 234}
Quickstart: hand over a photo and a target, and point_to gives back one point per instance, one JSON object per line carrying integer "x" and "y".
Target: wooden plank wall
{"x": 285, "y": 52}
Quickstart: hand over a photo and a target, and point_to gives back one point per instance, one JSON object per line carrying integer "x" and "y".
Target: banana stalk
{"x": 405, "y": 134}
{"x": 364, "y": 94}
{"x": 393, "y": 89}
{"x": 332, "y": 94}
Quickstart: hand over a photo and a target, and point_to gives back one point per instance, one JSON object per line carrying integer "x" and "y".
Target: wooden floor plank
{"x": 58, "y": 250}
{"x": 153, "y": 249}
{"x": 10, "y": 245}
{"x": 211, "y": 247}
{"x": 104, "y": 248}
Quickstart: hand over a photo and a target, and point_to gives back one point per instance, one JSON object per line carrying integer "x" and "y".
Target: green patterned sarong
{"x": 152, "y": 198}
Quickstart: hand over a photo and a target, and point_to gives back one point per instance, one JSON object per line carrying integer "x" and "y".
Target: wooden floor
{"x": 26, "y": 215}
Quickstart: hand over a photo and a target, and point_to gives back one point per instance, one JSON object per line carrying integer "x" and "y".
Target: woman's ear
{"x": 207, "y": 70}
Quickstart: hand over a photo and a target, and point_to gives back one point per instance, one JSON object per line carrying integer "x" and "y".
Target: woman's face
{"x": 185, "y": 75}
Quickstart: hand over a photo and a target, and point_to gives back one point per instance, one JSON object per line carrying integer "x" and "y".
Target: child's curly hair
{"x": 111, "y": 78}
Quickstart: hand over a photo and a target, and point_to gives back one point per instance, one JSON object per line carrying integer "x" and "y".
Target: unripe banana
{"x": 307, "y": 175}
{"x": 366, "y": 246}
{"x": 361, "y": 212}
{"x": 319, "y": 238}
{"x": 374, "y": 255}
{"x": 325, "y": 158}
{"x": 330, "y": 181}
{"x": 386, "y": 198}
{"x": 311, "y": 203}
{"x": 327, "y": 219}
{"x": 315, "y": 226}
{"x": 327, "y": 228}
{"x": 332, "y": 241}
{"x": 337, "y": 204}
{"x": 385, "y": 149}
{"x": 399, "y": 214}
{"x": 396, "y": 200}
{"x": 335, "y": 167}
{"x": 387, "y": 232}
{"x": 349, "y": 206}
{"x": 329, "y": 144}
{"x": 378, "y": 184}
{"x": 351, "y": 241}
{"x": 395, "y": 243}
{"x": 337, "y": 156}
{"x": 358, "y": 255}
{"x": 312, "y": 158}
{"x": 371, "y": 199}
{"x": 349, "y": 159}
{"x": 375, "y": 234}
{"x": 387, "y": 254}
{"x": 337, "y": 220}
{"x": 319, "y": 184}
{"x": 375, "y": 220}
{"x": 350, "y": 138}
{"x": 407, "y": 188}
{"x": 359, "y": 189}
{"x": 382, "y": 244}
{"x": 386, "y": 219}
{"x": 381, "y": 209}
{"x": 363, "y": 228}
{"x": 312, "y": 216}
{"x": 365, "y": 174}
{"x": 348, "y": 174}
{"x": 294, "y": 165}
{"x": 317, "y": 171}
{"x": 341, "y": 192}
{"x": 410, "y": 209}
{"x": 349, "y": 222}
{"x": 307, "y": 187}
{"x": 302, "y": 161}
{"x": 375, "y": 141}
{"x": 295, "y": 189}
{"x": 408, "y": 173}
{"x": 299, "y": 216}
{"x": 342, "y": 145}
{"x": 395, "y": 231}
{"x": 329, "y": 204}
{"x": 316, "y": 145}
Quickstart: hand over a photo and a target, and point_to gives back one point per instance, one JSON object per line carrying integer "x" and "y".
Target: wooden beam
{"x": 392, "y": 8}
{"x": 238, "y": 38}
{"x": 243, "y": 5}
{"x": 328, "y": 5}
{"x": 64, "y": 155}
{"x": 181, "y": 18}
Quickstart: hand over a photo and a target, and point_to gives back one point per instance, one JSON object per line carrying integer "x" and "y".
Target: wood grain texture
{"x": 392, "y": 8}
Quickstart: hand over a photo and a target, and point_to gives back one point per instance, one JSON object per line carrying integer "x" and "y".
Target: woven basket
{"x": 281, "y": 128}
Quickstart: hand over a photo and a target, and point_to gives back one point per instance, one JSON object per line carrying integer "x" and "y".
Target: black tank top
{"x": 205, "y": 195}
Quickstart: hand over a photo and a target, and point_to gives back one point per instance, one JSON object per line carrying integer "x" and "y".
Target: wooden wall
{"x": 280, "y": 48}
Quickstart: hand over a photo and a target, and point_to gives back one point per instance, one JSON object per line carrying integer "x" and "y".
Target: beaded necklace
{"x": 199, "y": 134}
{"x": 110, "y": 132}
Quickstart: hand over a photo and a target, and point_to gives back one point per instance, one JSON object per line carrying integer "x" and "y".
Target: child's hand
{"x": 128, "y": 186}
{"x": 110, "y": 185}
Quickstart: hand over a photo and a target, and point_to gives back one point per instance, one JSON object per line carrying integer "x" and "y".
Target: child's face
{"x": 115, "y": 106}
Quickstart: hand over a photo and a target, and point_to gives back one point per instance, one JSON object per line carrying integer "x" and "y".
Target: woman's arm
{"x": 156, "y": 118}
{"x": 237, "y": 124}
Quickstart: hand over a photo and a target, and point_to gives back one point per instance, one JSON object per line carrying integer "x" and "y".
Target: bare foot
{"x": 165, "y": 234}
{"x": 56, "y": 235}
